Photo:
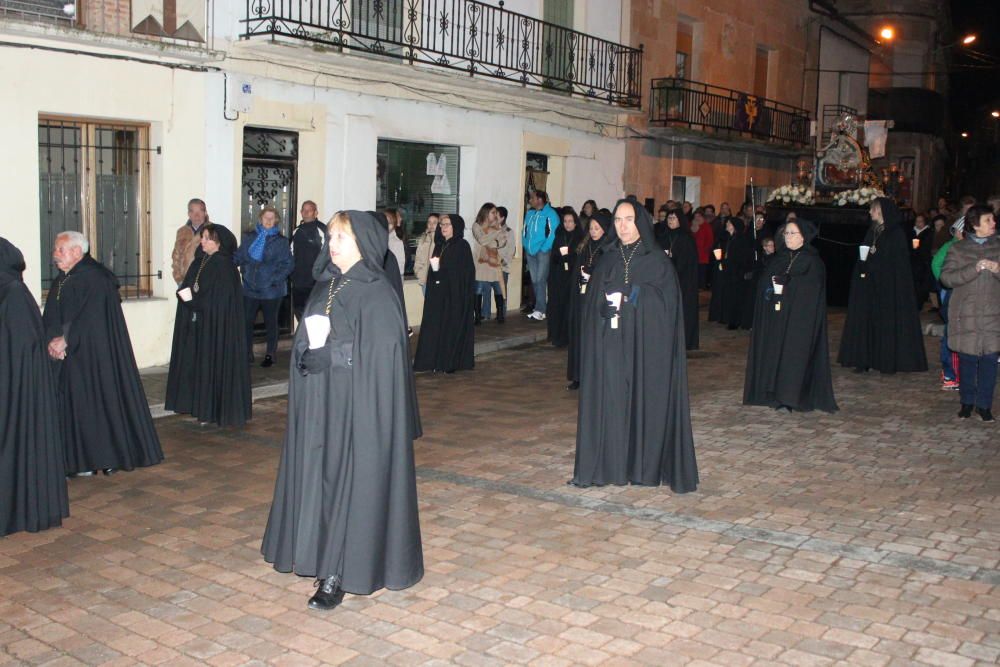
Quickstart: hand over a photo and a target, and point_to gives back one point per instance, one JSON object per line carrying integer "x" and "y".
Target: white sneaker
{"x": 534, "y": 315}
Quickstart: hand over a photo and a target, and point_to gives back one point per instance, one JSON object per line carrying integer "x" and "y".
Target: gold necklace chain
{"x": 628, "y": 260}
{"x": 795, "y": 256}
{"x": 330, "y": 293}
{"x": 61, "y": 283}
{"x": 197, "y": 277}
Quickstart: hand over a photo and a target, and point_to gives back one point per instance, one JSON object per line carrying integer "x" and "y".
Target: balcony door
{"x": 558, "y": 48}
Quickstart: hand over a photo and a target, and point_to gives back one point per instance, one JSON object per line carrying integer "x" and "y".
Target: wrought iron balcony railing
{"x": 679, "y": 102}
{"x": 37, "y": 10}
{"x": 465, "y": 35}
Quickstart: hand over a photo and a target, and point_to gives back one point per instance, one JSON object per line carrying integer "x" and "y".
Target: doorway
{"x": 270, "y": 166}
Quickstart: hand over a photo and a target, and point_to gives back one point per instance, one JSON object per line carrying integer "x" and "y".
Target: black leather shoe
{"x": 328, "y": 595}
{"x": 965, "y": 412}
{"x": 573, "y": 386}
{"x": 268, "y": 361}
{"x": 108, "y": 471}
{"x": 985, "y": 414}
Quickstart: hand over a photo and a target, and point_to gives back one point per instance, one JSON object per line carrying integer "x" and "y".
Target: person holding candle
{"x": 563, "y": 256}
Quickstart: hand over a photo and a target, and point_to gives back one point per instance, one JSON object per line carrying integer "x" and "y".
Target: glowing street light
{"x": 968, "y": 39}
{"x": 888, "y": 33}
{"x": 995, "y": 114}
{"x": 965, "y": 135}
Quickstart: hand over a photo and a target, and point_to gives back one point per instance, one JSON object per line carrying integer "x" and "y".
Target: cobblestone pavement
{"x": 869, "y": 537}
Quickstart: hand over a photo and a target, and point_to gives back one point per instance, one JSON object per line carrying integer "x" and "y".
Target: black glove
{"x": 608, "y": 311}
{"x": 314, "y": 362}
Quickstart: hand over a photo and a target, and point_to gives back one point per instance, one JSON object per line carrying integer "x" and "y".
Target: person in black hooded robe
{"x": 32, "y": 470}
{"x": 717, "y": 306}
{"x": 788, "y": 363}
{"x": 209, "y": 377}
{"x": 675, "y": 237}
{"x": 569, "y": 235}
{"x": 882, "y": 329}
{"x": 103, "y": 407}
{"x": 634, "y": 420}
{"x": 345, "y": 500}
{"x": 586, "y": 255}
{"x": 390, "y": 262}
{"x": 738, "y": 276}
{"x": 447, "y": 333}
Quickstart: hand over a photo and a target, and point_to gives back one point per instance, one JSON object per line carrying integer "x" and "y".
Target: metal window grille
{"x": 93, "y": 177}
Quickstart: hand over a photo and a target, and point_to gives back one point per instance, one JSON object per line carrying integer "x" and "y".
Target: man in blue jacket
{"x": 540, "y": 224}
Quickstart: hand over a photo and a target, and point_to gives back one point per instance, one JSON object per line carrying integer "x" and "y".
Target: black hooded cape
{"x": 103, "y": 408}
{"x": 209, "y": 377}
{"x": 390, "y": 265}
{"x": 717, "y": 305}
{"x": 788, "y": 363}
{"x": 560, "y": 284}
{"x": 32, "y": 470}
{"x": 345, "y": 501}
{"x": 882, "y": 329}
{"x": 634, "y": 423}
{"x": 447, "y": 330}
{"x": 585, "y": 258}
{"x": 680, "y": 246}
{"x": 739, "y": 266}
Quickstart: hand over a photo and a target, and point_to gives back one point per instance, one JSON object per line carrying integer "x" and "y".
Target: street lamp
{"x": 995, "y": 114}
{"x": 888, "y": 33}
{"x": 965, "y": 135}
{"x": 968, "y": 39}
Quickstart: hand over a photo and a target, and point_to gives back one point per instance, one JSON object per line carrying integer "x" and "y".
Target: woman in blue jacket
{"x": 266, "y": 260}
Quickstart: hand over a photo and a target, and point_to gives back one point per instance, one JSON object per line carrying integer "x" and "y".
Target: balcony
{"x": 730, "y": 113}
{"x": 463, "y": 35}
{"x": 50, "y": 11}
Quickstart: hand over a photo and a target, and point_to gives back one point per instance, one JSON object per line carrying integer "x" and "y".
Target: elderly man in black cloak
{"x": 209, "y": 377}
{"x": 32, "y": 471}
{"x": 882, "y": 329}
{"x": 634, "y": 423}
{"x": 345, "y": 502}
{"x": 105, "y": 415}
{"x": 788, "y": 364}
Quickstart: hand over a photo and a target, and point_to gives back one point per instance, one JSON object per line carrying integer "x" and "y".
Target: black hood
{"x": 373, "y": 242}
{"x": 11, "y": 262}
{"x": 457, "y": 230}
{"x": 643, "y": 223}
{"x": 738, "y": 225}
{"x": 891, "y": 215}
{"x": 227, "y": 240}
{"x": 809, "y": 232}
{"x": 603, "y": 219}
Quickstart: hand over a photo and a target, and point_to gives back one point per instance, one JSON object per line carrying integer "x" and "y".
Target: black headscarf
{"x": 808, "y": 229}
{"x": 457, "y": 232}
{"x": 373, "y": 241}
{"x": 227, "y": 240}
{"x": 891, "y": 215}
{"x": 11, "y": 262}
{"x": 738, "y": 225}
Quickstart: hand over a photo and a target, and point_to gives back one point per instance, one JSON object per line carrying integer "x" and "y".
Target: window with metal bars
{"x": 93, "y": 177}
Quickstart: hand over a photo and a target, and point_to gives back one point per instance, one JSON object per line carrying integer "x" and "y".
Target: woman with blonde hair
{"x": 490, "y": 237}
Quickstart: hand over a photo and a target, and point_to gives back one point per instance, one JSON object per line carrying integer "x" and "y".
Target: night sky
{"x": 975, "y": 78}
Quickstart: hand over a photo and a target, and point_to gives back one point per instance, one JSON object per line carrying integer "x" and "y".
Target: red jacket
{"x": 704, "y": 239}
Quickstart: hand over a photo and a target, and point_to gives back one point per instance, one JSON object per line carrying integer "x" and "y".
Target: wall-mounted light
{"x": 888, "y": 33}
{"x": 965, "y": 135}
{"x": 968, "y": 39}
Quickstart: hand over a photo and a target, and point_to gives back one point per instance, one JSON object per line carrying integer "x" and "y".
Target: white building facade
{"x": 118, "y": 116}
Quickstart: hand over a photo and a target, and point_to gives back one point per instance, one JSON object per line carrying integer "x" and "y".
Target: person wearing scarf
{"x": 345, "y": 500}
{"x": 265, "y": 258}
{"x": 32, "y": 470}
{"x": 209, "y": 377}
{"x": 788, "y": 363}
{"x": 882, "y": 328}
{"x": 675, "y": 237}
{"x": 634, "y": 417}
{"x": 447, "y": 333}
{"x": 587, "y": 253}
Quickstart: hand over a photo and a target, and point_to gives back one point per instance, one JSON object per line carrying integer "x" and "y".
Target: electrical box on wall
{"x": 239, "y": 94}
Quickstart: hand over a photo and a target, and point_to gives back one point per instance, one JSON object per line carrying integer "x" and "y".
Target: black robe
{"x": 560, "y": 284}
{"x": 209, "y": 377}
{"x": 788, "y": 363}
{"x": 718, "y": 304}
{"x": 345, "y": 501}
{"x": 103, "y": 407}
{"x": 738, "y": 279}
{"x": 447, "y": 332}
{"x": 920, "y": 262}
{"x": 634, "y": 421}
{"x": 32, "y": 470}
{"x": 680, "y": 246}
{"x": 882, "y": 329}
{"x": 586, "y": 257}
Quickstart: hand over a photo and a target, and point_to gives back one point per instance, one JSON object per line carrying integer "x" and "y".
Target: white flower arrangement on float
{"x": 792, "y": 194}
{"x": 858, "y": 197}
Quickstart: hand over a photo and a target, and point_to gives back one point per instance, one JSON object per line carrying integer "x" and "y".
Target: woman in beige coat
{"x": 425, "y": 247}
{"x": 972, "y": 270}
{"x": 489, "y": 237}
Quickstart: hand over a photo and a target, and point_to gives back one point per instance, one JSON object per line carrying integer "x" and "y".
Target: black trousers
{"x": 270, "y": 308}
{"x": 300, "y": 295}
